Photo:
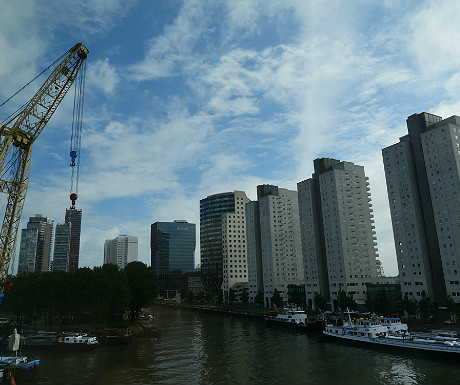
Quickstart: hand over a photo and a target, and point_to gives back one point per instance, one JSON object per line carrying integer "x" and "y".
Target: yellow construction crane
{"x": 16, "y": 138}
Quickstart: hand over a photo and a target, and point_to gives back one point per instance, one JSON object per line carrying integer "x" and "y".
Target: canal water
{"x": 207, "y": 348}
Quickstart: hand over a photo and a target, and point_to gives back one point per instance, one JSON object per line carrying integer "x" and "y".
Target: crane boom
{"x": 21, "y": 131}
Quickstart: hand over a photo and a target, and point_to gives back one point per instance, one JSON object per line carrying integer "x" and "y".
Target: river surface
{"x": 207, "y": 348}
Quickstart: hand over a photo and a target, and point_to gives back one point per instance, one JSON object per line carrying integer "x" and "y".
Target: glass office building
{"x": 172, "y": 246}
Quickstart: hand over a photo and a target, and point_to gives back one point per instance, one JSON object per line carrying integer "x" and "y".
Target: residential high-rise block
{"x": 338, "y": 237}
{"x": 62, "y": 247}
{"x": 172, "y": 251}
{"x": 121, "y": 250}
{"x": 274, "y": 243}
{"x": 223, "y": 241}
{"x": 423, "y": 181}
{"x": 36, "y": 243}
{"x": 73, "y": 216}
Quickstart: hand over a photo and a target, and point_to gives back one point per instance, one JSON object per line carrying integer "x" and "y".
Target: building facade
{"x": 62, "y": 246}
{"x": 36, "y": 244}
{"x": 338, "y": 236}
{"x": 223, "y": 241}
{"x": 423, "y": 182}
{"x": 121, "y": 250}
{"x": 172, "y": 252}
{"x": 274, "y": 243}
{"x": 73, "y": 216}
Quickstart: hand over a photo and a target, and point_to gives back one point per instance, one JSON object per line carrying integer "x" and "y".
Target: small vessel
{"x": 76, "y": 342}
{"x": 114, "y": 337}
{"x": 42, "y": 340}
{"x": 392, "y": 333}
{"x": 21, "y": 369}
{"x": 17, "y": 368}
{"x": 294, "y": 317}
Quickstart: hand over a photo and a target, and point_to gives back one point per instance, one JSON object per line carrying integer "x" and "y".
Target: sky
{"x": 185, "y": 99}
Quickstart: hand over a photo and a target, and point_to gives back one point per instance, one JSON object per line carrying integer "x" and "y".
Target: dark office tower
{"x": 35, "y": 247}
{"x": 223, "y": 241}
{"x": 423, "y": 183}
{"x": 172, "y": 246}
{"x": 73, "y": 216}
{"x": 61, "y": 247}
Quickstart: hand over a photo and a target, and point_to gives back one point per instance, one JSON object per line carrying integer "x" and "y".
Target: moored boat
{"x": 393, "y": 334}
{"x": 19, "y": 369}
{"x": 296, "y": 318}
{"x": 76, "y": 342}
{"x": 114, "y": 337}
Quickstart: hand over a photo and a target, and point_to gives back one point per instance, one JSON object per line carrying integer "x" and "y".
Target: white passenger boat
{"x": 394, "y": 334}
{"x": 79, "y": 342}
{"x": 294, "y": 317}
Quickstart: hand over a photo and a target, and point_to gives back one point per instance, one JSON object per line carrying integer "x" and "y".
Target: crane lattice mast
{"x": 16, "y": 138}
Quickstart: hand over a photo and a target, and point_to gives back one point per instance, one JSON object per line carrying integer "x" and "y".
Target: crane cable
{"x": 75, "y": 139}
{"x": 18, "y": 91}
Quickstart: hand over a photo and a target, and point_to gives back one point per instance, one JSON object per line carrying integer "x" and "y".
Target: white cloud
{"x": 103, "y": 76}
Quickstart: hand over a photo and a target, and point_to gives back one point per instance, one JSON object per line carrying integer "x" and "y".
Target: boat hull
{"x": 406, "y": 344}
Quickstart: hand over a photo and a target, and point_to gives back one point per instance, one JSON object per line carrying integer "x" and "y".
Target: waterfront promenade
{"x": 250, "y": 311}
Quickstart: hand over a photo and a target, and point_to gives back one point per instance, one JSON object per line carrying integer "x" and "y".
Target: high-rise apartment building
{"x": 172, "y": 252}
{"x": 223, "y": 240}
{"x": 121, "y": 250}
{"x": 274, "y": 243}
{"x": 423, "y": 181}
{"x": 62, "y": 247}
{"x": 36, "y": 243}
{"x": 73, "y": 216}
{"x": 338, "y": 236}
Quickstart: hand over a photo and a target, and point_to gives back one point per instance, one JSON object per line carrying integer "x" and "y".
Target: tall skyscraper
{"x": 423, "y": 181}
{"x": 274, "y": 243}
{"x": 121, "y": 250}
{"x": 35, "y": 246}
{"x": 62, "y": 247}
{"x": 73, "y": 216}
{"x": 172, "y": 246}
{"x": 338, "y": 237}
{"x": 223, "y": 241}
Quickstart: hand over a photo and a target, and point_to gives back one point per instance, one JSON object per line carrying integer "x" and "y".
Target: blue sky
{"x": 185, "y": 99}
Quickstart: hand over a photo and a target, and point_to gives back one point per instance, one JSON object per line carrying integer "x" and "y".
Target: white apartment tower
{"x": 234, "y": 248}
{"x": 423, "y": 183}
{"x": 274, "y": 244}
{"x": 337, "y": 227}
{"x": 121, "y": 250}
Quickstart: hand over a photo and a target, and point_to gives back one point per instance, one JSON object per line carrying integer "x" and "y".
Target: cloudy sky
{"x": 186, "y": 99}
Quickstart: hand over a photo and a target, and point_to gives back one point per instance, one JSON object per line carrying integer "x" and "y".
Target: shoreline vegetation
{"x": 146, "y": 319}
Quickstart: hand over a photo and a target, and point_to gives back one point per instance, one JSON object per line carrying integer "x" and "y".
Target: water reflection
{"x": 205, "y": 348}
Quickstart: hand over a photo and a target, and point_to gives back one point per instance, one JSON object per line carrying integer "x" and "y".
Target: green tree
{"x": 259, "y": 298}
{"x": 112, "y": 292}
{"x": 453, "y": 307}
{"x": 320, "y": 302}
{"x": 410, "y": 305}
{"x": 425, "y": 306}
{"x": 143, "y": 286}
{"x": 231, "y": 296}
{"x": 209, "y": 296}
{"x": 80, "y": 292}
{"x": 276, "y": 298}
{"x": 220, "y": 296}
{"x": 245, "y": 296}
{"x": 297, "y": 298}
{"x": 346, "y": 301}
{"x": 380, "y": 304}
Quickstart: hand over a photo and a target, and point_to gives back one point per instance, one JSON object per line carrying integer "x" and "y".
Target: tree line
{"x": 101, "y": 293}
